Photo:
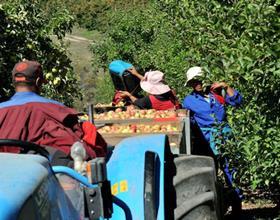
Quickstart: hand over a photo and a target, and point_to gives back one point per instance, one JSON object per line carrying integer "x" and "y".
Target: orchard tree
{"x": 26, "y": 32}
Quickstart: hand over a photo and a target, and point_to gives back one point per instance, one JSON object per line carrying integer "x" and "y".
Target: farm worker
{"x": 123, "y": 80}
{"x": 160, "y": 96}
{"x": 208, "y": 112}
{"x": 30, "y": 117}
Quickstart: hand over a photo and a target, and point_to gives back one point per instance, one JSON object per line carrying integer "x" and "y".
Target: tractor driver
{"x": 30, "y": 117}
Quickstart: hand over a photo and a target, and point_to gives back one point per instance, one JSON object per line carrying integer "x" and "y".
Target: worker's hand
{"x": 216, "y": 85}
{"x": 125, "y": 94}
{"x": 129, "y": 95}
{"x": 133, "y": 71}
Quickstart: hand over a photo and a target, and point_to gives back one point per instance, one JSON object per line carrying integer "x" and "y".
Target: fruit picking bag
{"x": 122, "y": 79}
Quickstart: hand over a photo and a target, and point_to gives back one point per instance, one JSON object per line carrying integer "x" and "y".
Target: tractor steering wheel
{"x": 25, "y": 145}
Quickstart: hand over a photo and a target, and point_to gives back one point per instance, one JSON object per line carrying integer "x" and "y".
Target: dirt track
{"x": 74, "y": 38}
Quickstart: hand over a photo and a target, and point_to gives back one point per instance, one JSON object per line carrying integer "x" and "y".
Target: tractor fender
{"x": 134, "y": 180}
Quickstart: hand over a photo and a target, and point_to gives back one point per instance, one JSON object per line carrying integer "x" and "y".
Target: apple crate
{"x": 175, "y": 128}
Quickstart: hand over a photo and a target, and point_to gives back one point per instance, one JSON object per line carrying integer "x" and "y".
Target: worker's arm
{"x": 233, "y": 97}
{"x": 142, "y": 103}
{"x": 127, "y": 94}
{"x": 228, "y": 89}
{"x": 134, "y": 72}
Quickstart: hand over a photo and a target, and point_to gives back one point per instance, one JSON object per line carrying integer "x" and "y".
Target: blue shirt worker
{"x": 208, "y": 112}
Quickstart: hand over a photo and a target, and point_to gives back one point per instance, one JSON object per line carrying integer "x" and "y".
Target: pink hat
{"x": 153, "y": 83}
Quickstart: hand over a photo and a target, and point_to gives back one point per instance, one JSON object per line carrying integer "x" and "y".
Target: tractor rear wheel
{"x": 194, "y": 183}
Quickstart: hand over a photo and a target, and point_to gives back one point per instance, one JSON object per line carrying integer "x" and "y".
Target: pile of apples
{"x": 83, "y": 117}
{"x": 100, "y": 105}
{"x": 131, "y": 113}
{"x": 138, "y": 128}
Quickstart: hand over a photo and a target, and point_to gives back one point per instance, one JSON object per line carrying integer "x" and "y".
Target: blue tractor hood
{"x": 19, "y": 177}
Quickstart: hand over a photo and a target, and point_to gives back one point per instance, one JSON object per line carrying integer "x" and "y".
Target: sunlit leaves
{"x": 27, "y": 33}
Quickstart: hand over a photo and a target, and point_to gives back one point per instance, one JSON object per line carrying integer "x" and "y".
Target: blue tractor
{"x": 140, "y": 179}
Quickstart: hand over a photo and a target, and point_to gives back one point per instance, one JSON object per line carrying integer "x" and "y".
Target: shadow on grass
{"x": 257, "y": 214}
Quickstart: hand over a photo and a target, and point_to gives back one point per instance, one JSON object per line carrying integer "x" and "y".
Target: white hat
{"x": 193, "y": 72}
{"x": 153, "y": 83}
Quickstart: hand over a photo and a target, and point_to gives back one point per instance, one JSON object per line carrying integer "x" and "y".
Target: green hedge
{"x": 237, "y": 42}
{"x": 27, "y": 32}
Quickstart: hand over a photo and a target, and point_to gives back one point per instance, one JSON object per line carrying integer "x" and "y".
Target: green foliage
{"x": 104, "y": 89}
{"x": 25, "y": 32}
{"x": 234, "y": 41}
{"x": 87, "y": 13}
{"x": 91, "y": 14}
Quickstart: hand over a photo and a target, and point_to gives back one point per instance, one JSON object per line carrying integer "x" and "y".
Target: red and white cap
{"x": 27, "y": 71}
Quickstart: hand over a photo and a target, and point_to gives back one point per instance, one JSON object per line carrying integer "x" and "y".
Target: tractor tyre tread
{"x": 195, "y": 187}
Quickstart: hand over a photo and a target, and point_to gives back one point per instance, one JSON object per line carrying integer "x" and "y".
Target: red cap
{"x": 27, "y": 71}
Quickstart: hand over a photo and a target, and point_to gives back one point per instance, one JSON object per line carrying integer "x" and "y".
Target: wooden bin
{"x": 176, "y": 138}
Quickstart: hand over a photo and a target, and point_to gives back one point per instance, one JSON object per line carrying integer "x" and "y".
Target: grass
{"x": 93, "y": 84}
{"x": 79, "y": 42}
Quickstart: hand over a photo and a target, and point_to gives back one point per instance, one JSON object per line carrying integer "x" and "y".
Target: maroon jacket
{"x": 33, "y": 118}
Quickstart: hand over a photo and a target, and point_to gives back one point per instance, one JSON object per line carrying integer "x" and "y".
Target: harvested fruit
{"x": 131, "y": 113}
{"x": 138, "y": 128}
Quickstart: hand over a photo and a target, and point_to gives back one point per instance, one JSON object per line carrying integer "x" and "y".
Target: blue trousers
{"x": 226, "y": 133}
